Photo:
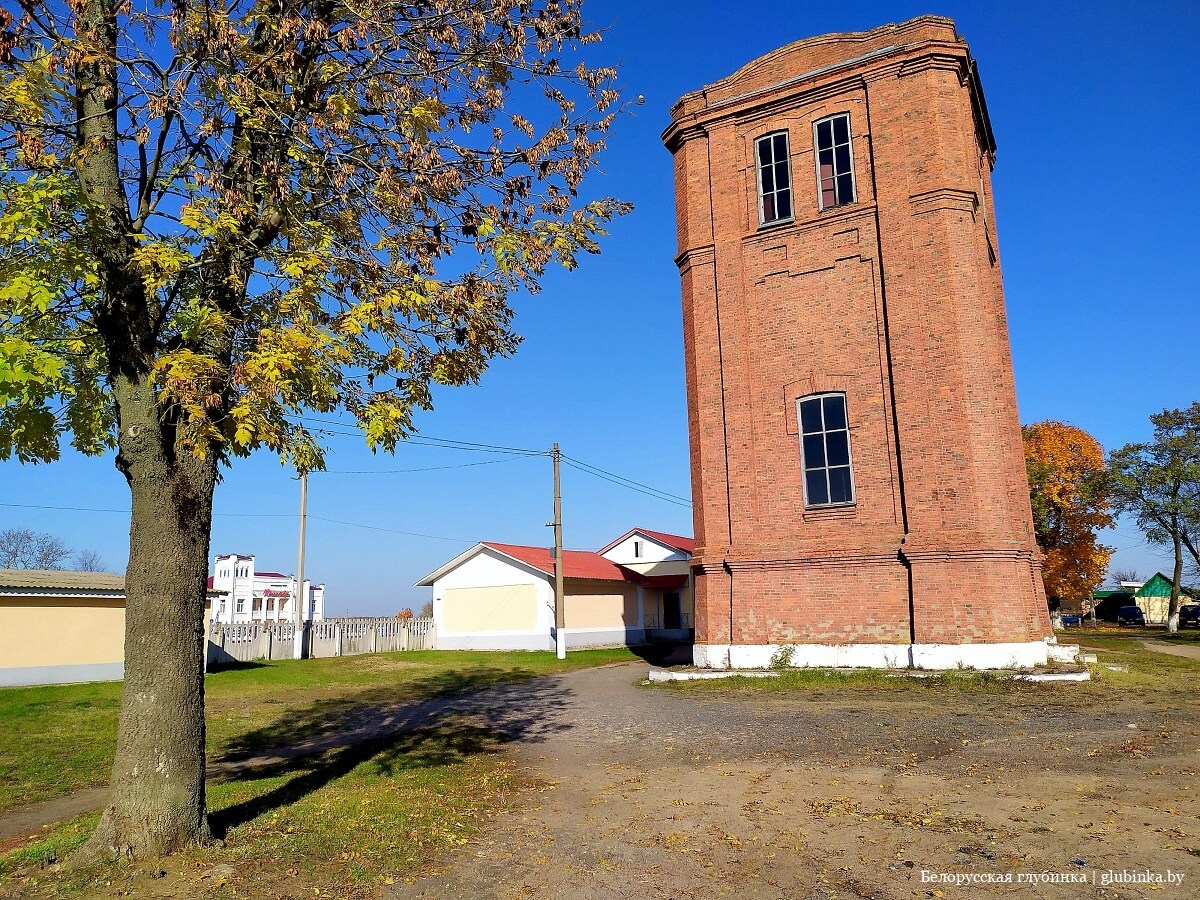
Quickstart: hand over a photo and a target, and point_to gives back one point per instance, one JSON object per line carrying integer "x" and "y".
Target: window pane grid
{"x": 835, "y": 163}
{"x": 825, "y": 451}
{"x": 774, "y": 178}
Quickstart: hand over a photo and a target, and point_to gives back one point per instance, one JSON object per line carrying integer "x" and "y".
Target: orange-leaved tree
{"x": 1068, "y": 490}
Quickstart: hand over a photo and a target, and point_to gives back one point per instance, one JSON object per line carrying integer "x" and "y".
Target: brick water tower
{"x": 857, "y": 469}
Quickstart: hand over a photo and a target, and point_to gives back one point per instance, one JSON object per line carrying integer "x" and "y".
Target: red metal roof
{"x": 678, "y": 541}
{"x": 270, "y": 575}
{"x": 576, "y": 563}
{"x": 675, "y": 541}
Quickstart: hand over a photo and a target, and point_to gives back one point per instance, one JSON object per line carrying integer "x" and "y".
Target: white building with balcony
{"x": 246, "y": 595}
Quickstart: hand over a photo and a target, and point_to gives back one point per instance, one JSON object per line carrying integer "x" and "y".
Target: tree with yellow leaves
{"x": 1068, "y": 490}
{"x": 216, "y": 218}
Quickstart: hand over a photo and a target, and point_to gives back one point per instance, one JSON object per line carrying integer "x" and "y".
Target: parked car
{"x": 1189, "y": 615}
{"x": 1071, "y": 619}
{"x": 1131, "y": 615}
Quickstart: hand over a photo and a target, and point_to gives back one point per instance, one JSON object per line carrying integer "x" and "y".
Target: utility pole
{"x": 560, "y": 639}
{"x": 298, "y": 646}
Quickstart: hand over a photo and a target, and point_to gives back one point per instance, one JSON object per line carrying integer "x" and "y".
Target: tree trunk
{"x": 1176, "y": 577}
{"x": 157, "y": 801}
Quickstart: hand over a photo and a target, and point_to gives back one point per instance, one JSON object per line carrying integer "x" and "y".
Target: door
{"x": 672, "y": 611}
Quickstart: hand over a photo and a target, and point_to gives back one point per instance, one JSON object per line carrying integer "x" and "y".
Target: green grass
{"x": 55, "y": 739}
{"x": 820, "y": 683}
{"x": 342, "y": 820}
{"x": 58, "y": 738}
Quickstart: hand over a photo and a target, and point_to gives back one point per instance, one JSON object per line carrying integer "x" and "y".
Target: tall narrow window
{"x": 825, "y": 450}
{"x": 774, "y": 178}
{"x": 835, "y": 162}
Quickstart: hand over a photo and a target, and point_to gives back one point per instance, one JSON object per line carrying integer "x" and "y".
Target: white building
{"x": 246, "y": 595}
{"x": 501, "y": 596}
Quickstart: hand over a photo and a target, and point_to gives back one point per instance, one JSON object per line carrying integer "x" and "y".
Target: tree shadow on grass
{"x": 455, "y": 719}
{"x": 377, "y": 709}
{"x": 235, "y": 666}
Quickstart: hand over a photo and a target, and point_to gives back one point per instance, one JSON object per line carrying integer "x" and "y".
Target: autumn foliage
{"x": 220, "y": 220}
{"x": 1069, "y": 494}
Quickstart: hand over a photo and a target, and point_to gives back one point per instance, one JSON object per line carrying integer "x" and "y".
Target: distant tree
{"x": 1070, "y": 499}
{"x": 427, "y": 610}
{"x": 1122, "y": 575}
{"x": 405, "y": 613}
{"x": 21, "y": 548}
{"x": 89, "y": 561}
{"x": 218, "y": 218}
{"x": 1158, "y": 483}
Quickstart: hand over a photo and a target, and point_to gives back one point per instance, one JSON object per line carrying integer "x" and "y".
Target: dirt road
{"x": 663, "y": 793}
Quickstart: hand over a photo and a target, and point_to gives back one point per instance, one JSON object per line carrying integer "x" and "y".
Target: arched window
{"x": 825, "y": 450}
{"x": 774, "y": 178}
{"x": 835, "y": 160}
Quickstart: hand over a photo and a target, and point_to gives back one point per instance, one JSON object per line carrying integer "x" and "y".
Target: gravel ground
{"x": 693, "y": 792}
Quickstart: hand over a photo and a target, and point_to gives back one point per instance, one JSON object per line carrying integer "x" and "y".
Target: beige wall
{"x": 602, "y": 604}
{"x": 510, "y": 607}
{"x": 39, "y": 631}
{"x": 1155, "y": 609}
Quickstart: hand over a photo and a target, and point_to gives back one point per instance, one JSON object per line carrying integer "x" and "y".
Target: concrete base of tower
{"x": 1023, "y": 655}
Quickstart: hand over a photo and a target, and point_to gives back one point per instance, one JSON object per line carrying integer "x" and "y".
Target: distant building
{"x": 58, "y": 626}
{"x": 1152, "y": 597}
{"x": 501, "y": 596}
{"x": 859, "y": 485}
{"x": 246, "y": 595}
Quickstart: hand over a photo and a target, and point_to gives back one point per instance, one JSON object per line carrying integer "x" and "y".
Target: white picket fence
{"x": 246, "y": 642}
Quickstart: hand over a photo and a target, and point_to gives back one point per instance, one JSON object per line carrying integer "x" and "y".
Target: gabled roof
{"x": 671, "y": 541}
{"x": 1157, "y": 585}
{"x": 582, "y": 564}
{"x": 576, "y": 563}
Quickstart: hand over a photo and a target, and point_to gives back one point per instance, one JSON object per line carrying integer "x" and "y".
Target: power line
{"x": 127, "y": 511}
{"x": 485, "y": 462}
{"x": 629, "y": 481}
{"x": 427, "y": 440}
{"x": 64, "y": 508}
{"x": 624, "y": 482}
{"x": 435, "y": 537}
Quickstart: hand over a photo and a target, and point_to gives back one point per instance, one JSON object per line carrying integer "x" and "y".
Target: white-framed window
{"x": 825, "y": 450}
{"x": 241, "y": 604}
{"x": 835, "y": 161}
{"x": 637, "y": 549}
{"x": 772, "y": 161}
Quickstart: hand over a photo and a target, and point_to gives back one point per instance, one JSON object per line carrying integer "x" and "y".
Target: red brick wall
{"x": 896, "y": 296}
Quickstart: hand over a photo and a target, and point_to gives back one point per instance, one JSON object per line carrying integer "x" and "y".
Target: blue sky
{"x": 1095, "y": 112}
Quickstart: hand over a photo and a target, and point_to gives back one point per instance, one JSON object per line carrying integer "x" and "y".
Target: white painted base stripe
{"x": 665, "y": 675}
{"x": 32, "y": 675}
{"x": 1063, "y": 652}
{"x": 873, "y": 656}
{"x": 576, "y": 638}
